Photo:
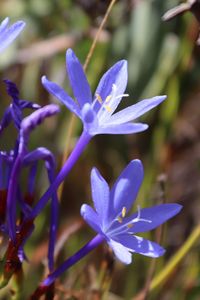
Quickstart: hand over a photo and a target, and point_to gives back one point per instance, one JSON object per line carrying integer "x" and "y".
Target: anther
{"x": 108, "y": 108}
{"x": 123, "y": 212}
{"x": 130, "y": 225}
{"x": 99, "y": 99}
{"x": 108, "y": 98}
{"x": 119, "y": 219}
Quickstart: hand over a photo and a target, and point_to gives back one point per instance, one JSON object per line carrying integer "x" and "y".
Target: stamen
{"x": 123, "y": 212}
{"x": 99, "y": 99}
{"x": 119, "y": 219}
{"x": 108, "y": 98}
{"x": 108, "y": 108}
{"x": 129, "y": 225}
{"x": 138, "y": 218}
{"x": 123, "y": 95}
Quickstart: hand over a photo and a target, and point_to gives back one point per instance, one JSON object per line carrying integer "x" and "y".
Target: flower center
{"x": 125, "y": 224}
{"x": 109, "y": 104}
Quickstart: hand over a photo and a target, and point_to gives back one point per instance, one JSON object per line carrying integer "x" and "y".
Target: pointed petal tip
{"x": 160, "y": 252}
{"x": 95, "y": 176}
{"x": 177, "y": 207}
{"x": 43, "y": 78}
{"x": 94, "y": 171}
{"x": 70, "y": 54}
{"x": 69, "y": 51}
{"x": 21, "y": 24}
{"x": 83, "y": 209}
{"x": 163, "y": 97}
{"x": 123, "y": 64}
{"x": 6, "y": 20}
{"x": 136, "y": 163}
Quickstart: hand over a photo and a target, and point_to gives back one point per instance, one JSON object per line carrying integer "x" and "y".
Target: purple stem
{"x": 12, "y": 196}
{"x": 80, "y": 146}
{"x": 28, "y": 124}
{"x": 1, "y": 173}
{"x": 31, "y": 179}
{"x": 46, "y": 155}
{"x": 98, "y": 239}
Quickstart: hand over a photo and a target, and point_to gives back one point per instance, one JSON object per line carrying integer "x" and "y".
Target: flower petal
{"x": 91, "y": 217}
{"x": 100, "y": 196}
{"x": 117, "y": 76}
{"x": 121, "y": 252}
{"x": 126, "y": 128}
{"x": 59, "y": 93}
{"x": 126, "y": 187}
{"x": 136, "y": 110}
{"x": 78, "y": 79}
{"x": 140, "y": 245}
{"x": 4, "y": 24}
{"x": 7, "y": 35}
{"x": 157, "y": 215}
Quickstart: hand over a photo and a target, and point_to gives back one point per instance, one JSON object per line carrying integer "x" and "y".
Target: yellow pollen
{"x": 108, "y": 98}
{"x": 108, "y": 108}
{"x": 130, "y": 225}
{"x": 99, "y": 99}
{"x": 123, "y": 212}
{"x": 119, "y": 219}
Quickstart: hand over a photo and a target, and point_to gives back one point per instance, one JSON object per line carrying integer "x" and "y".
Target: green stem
{"x": 176, "y": 259}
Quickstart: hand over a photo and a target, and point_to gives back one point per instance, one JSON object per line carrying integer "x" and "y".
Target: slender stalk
{"x": 93, "y": 46}
{"x": 73, "y": 119}
{"x": 176, "y": 259}
{"x": 80, "y": 146}
{"x": 43, "y": 288}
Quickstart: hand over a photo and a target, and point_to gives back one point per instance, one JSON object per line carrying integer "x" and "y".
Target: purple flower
{"x": 15, "y": 109}
{"x": 110, "y": 218}
{"x": 8, "y": 34}
{"x": 97, "y": 114}
{"x": 27, "y": 126}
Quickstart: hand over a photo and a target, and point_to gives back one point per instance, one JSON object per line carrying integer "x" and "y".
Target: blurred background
{"x": 163, "y": 58}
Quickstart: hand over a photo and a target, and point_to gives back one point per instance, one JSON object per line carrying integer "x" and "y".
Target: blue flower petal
{"x": 157, "y": 215}
{"x": 7, "y": 35}
{"x": 116, "y": 75}
{"x": 4, "y": 24}
{"x": 78, "y": 79}
{"x": 140, "y": 245}
{"x": 101, "y": 197}
{"x": 136, "y": 110}
{"x": 121, "y": 252}
{"x": 59, "y": 93}
{"x": 126, "y": 128}
{"x": 91, "y": 217}
{"x": 126, "y": 187}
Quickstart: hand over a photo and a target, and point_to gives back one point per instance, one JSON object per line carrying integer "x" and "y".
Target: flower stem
{"x": 80, "y": 146}
{"x": 73, "y": 119}
{"x": 43, "y": 288}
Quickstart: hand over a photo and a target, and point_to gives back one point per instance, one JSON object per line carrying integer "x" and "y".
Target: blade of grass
{"x": 176, "y": 259}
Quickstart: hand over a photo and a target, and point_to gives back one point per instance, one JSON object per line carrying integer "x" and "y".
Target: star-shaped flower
{"x": 8, "y": 34}
{"x": 110, "y": 218}
{"x": 97, "y": 114}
